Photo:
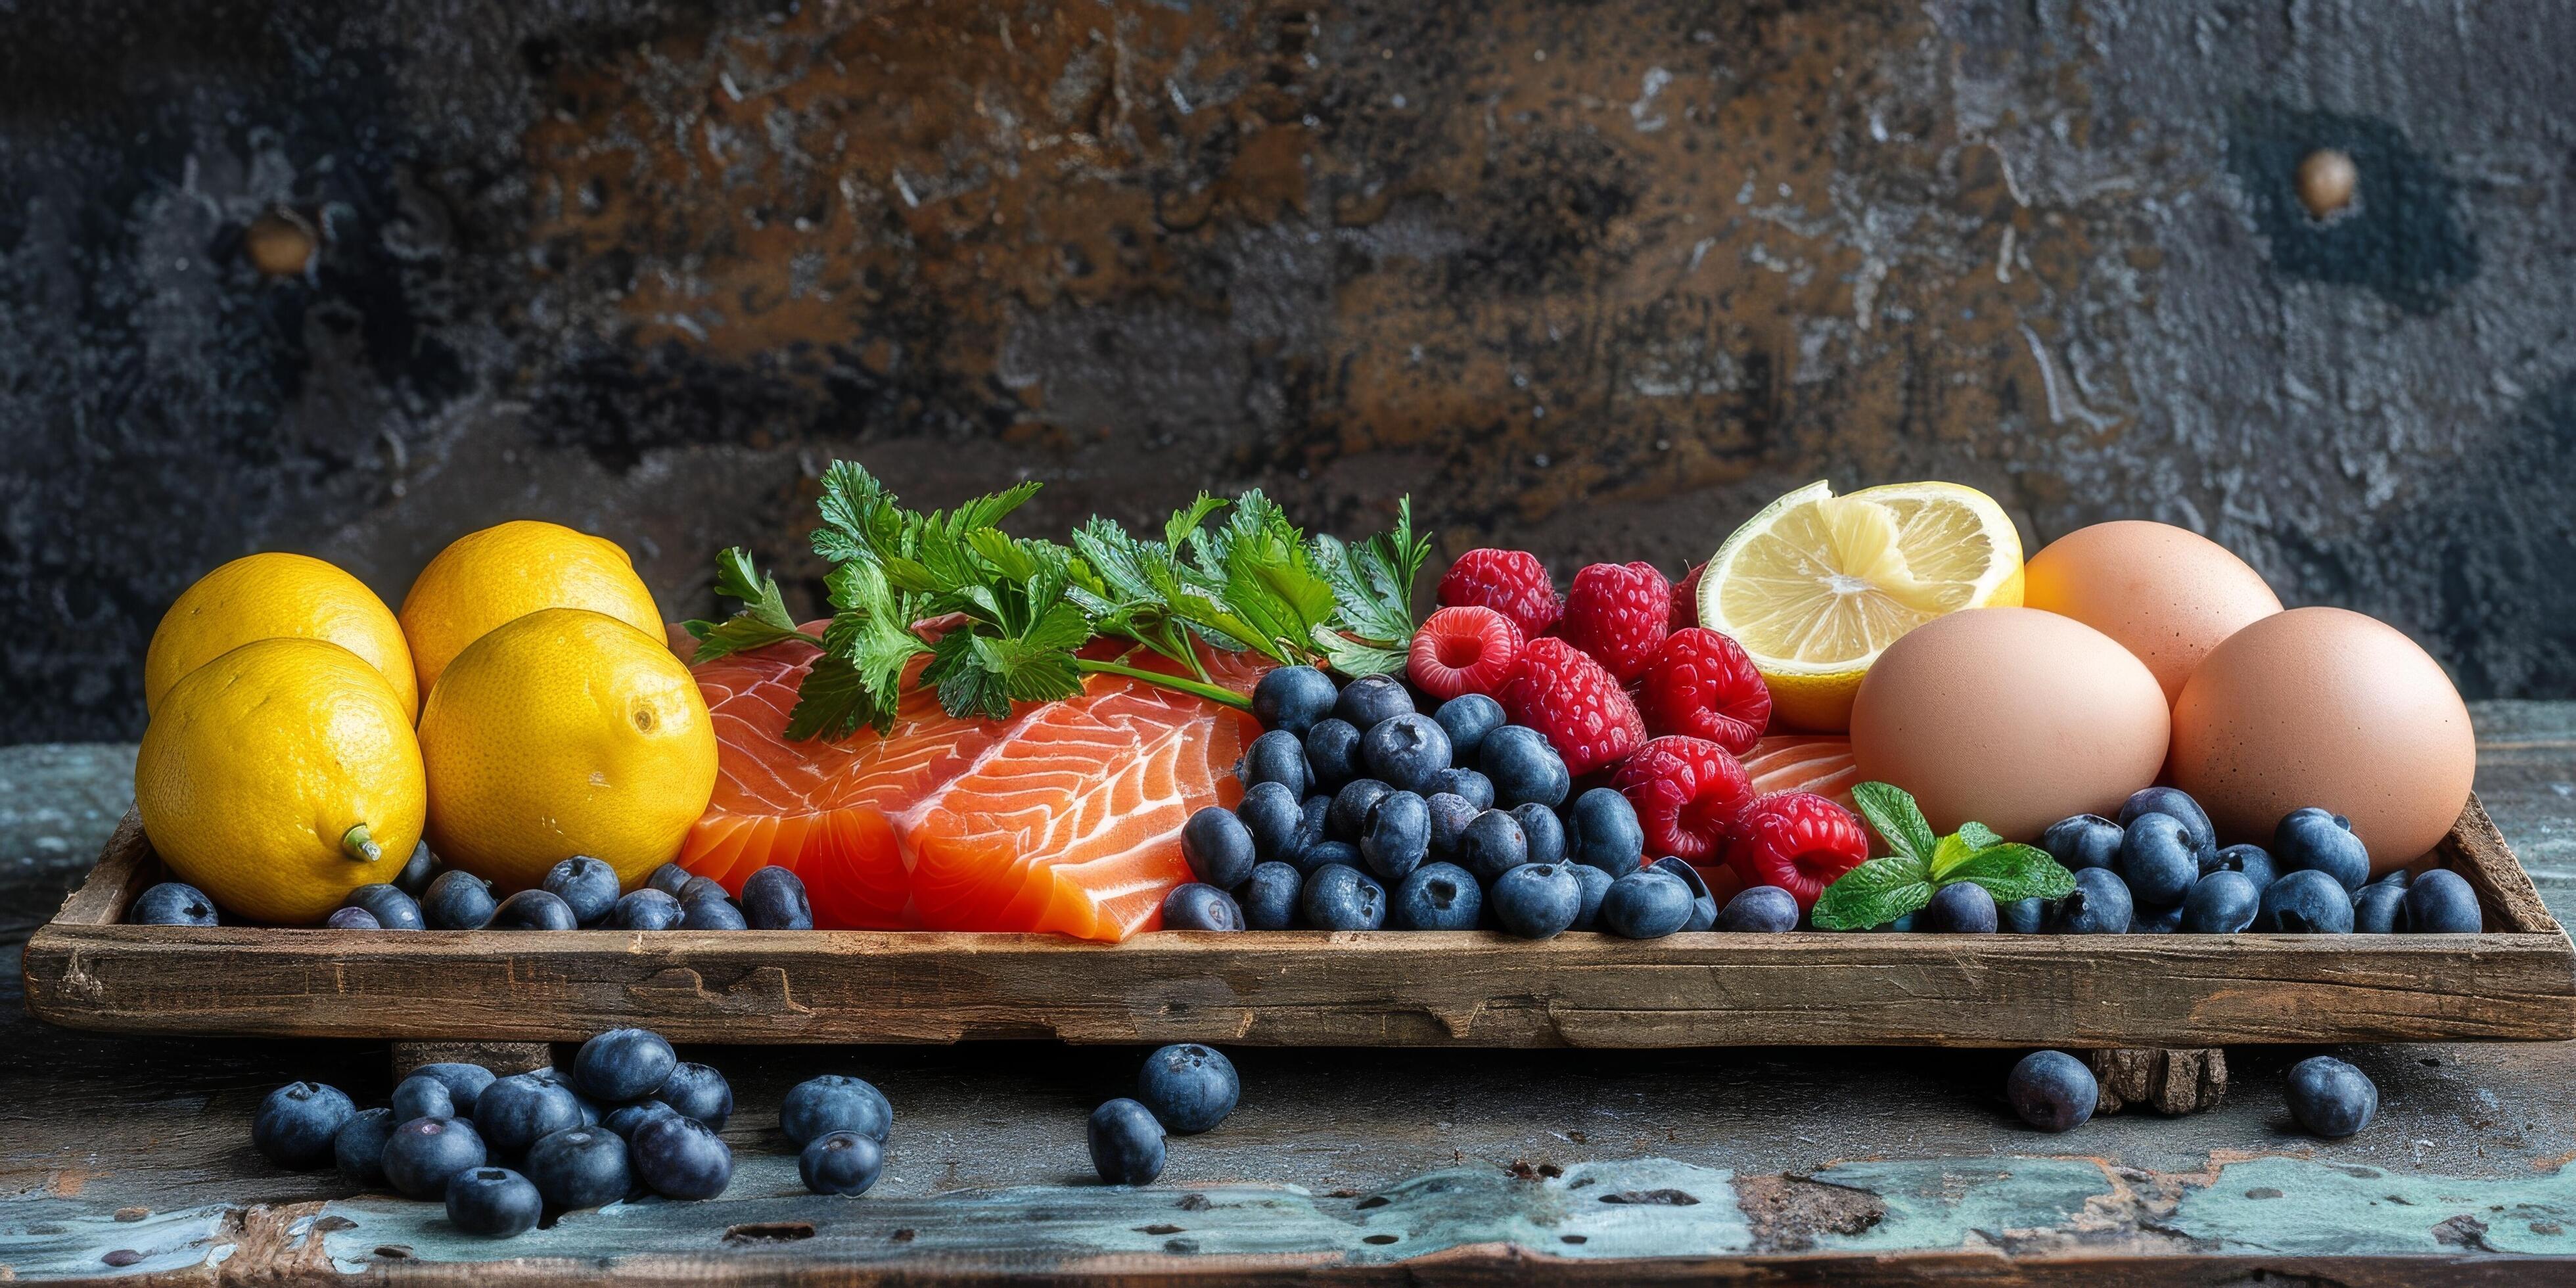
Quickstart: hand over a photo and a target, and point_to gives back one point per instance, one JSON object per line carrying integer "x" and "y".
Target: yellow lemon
{"x": 1816, "y": 586}
{"x": 565, "y": 732}
{"x": 279, "y": 776}
{"x": 269, "y": 596}
{"x": 507, "y": 571}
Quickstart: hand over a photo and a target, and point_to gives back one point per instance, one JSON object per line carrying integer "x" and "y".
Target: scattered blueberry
{"x": 421, "y": 1154}
{"x": 1703, "y": 904}
{"x": 1450, "y": 815}
{"x": 2305, "y": 902}
{"x": 1595, "y": 883}
{"x": 2330, "y": 1097}
{"x": 2099, "y": 905}
{"x": 1648, "y": 904}
{"x": 1468, "y": 785}
{"x": 352, "y": 919}
{"x": 1196, "y": 905}
{"x": 2441, "y": 903}
{"x": 2313, "y": 840}
{"x": 2221, "y": 903}
{"x": 295, "y": 1124}
{"x": 2379, "y": 909}
{"x": 392, "y": 909}
{"x": 423, "y": 1097}
{"x": 465, "y": 1082}
{"x": 1468, "y": 718}
{"x": 1492, "y": 844}
{"x": 1269, "y": 897}
{"x": 2025, "y": 916}
{"x": 678, "y": 1157}
{"x": 1408, "y": 752}
{"x": 1274, "y": 818}
{"x": 1324, "y": 854}
{"x": 2174, "y": 804}
{"x": 623, "y": 1064}
{"x": 172, "y": 903}
{"x": 2158, "y": 860}
{"x": 493, "y": 1201}
{"x": 1275, "y": 757}
{"x": 515, "y": 1111}
{"x": 1536, "y": 900}
{"x": 1190, "y": 1088}
{"x": 834, "y": 1102}
{"x": 534, "y": 910}
{"x": 646, "y": 909}
{"x": 1525, "y": 769}
{"x": 359, "y": 1147}
{"x": 457, "y": 900}
{"x": 1760, "y": 910}
{"x": 553, "y": 1076}
{"x": 624, "y": 1119}
{"x": 1339, "y": 897}
{"x": 1293, "y": 698}
{"x": 696, "y": 1091}
{"x": 842, "y": 1162}
{"x": 2252, "y": 860}
{"x": 1437, "y": 896}
{"x": 1371, "y": 700}
{"x": 580, "y": 1167}
{"x": 670, "y": 879}
{"x": 1333, "y": 754}
{"x": 586, "y": 885}
{"x": 1126, "y": 1142}
{"x": 1218, "y": 847}
{"x": 1602, "y": 830}
{"x": 2084, "y": 841}
{"x": 2052, "y": 1091}
{"x": 1960, "y": 908}
{"x": 417, "y": 871}
{"x": 711, "y": 912}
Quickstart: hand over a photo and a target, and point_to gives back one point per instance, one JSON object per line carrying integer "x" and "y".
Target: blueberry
{"x": 1324, "y": 854}
{"x": 586, "y": 885}
{"x": 1275, "y": 819}
{"x": 580, "y": 1167}
{"x": 172, "y": 903}
{"x": 2441, "y": 903}
{"x": 1647, "y": 904}
{"x": 670, "y": 879}
{"x": 623, "y": 1064}
{"x": 295, "y": 1124}
{"x": 493, "y": 1201}
{"x": 555, "y": 1077}
{"x": 2084, "y": 841}
{"x": 1217, "y": 846}
{"x": 2312, "y": 840}
{"x": 2252, "y": 860}
{"x": 624, "y": 1119}
{"x": 1348, "y": 815}
{"x": 2025, "y": 916}
{"x": 1492, "y": 844}
{"x": 1188, "y": 1087}
{"x": 1468, "y": 718}
{"x": 359, "y": 1147}
{"x": 1602, "y": 830}
{"x": 457, "y": 900}
{"x": 698, "y": 1092}
{"x": 1525, "y": 769}
{"x": 1595, "y": 883}
{"x": 1703, "y": 904}
{"x": 420, "y": 1097}
{"x": 417, "y": 871}
{"x": 1126, "y": 1142}
{"x": 1275, "y": 757}
{"x": 2157, "y": 860}
{"x": 421, "y": 1154}
{"x": 2331, "y": 1098}
{"x": 534, "y": 910}
{"x": 2175, "y": 804}
{"x": 2379, "y": 909}
{"x": 1536, "y": 900}
{"x": 1544, "y": 832}
{"x": 842, "y": 1162}
{"x": 1371, "y": 700}
{"x": 711, "y": 912}
{"x": 392, "y": 909}
{"x": 352, "y": 919}
{"x": 2099, "y": 905}
{"x": 2398, "y": 877}
{"x": 465, "y": 1082}
{"x": 1960, "y": 908}
{"x": 646, "y": 909}
{"x": 515, "y": 1111}
{"x": 1437, "y": 896}
{"x": 2306, "y": 902}
{"x": 701, "y": 888}
{"x": 1409, "y": 752}
{"x": 1396, "y": 837}
{"x": 2052, "y": 1091}
{"x": 1333, "y": 754}
{"x": 1196, "y": 905}
{"x": 1342, "y": 898}
{"x": 678, "y": 1157}
{"x": 1293, "y": 698}
{"x": 2221, "y": 903}
{"x": 2155, "y": 921}
{"x": 834, "y": 1102}
{"x": 1760, "y": 910}
{"x": 1467, "y": 785}
{"x": 1269, "y": 896}
{"x": 1450, "y": 815}
{"x": 773, "y": 898}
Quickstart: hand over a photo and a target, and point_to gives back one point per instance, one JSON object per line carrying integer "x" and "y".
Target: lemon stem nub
{"x": 358, "y": 845}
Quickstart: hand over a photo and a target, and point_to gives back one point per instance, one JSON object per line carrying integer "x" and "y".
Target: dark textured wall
{"x": 1597, "y": 278}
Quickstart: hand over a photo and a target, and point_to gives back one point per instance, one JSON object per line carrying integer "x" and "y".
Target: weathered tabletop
{"x": 131, "y": 1156}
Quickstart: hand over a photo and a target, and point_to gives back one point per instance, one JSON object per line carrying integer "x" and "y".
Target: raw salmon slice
{"x": 1819, "y": 763}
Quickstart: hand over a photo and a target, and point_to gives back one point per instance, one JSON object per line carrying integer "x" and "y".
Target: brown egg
{"x": 2010, "y": 717}
{"x": 2326, "y": 707}
{"x": 2167, "y": 594}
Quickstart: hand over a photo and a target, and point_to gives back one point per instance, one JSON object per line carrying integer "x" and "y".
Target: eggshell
{"x": 2010, "y": 717}
{"x": 2326, "y": 707}
{"x": 2167, "y": 594}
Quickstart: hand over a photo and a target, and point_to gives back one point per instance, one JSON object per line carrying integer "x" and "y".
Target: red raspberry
{"x": 1798, "y": 841}
{"x": 1511, "y": 582}
{"x": 1619, "y": 613}
{"x": 1465, "y": 650}
{"x": 1564, "y": 694}
{"x": 1686, "y": 597}
{"x": 1687, "y": 792}
{"x": 1703, "y": 684}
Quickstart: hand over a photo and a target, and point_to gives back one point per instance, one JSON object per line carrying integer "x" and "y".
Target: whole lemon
{"x": 279, "y": 776}
{"x": 268, "y": 596}
{"x": 565, "y": 732}
{"x": 507, "y": 571}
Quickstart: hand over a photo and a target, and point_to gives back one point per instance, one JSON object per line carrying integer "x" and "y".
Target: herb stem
{"x": 1211, "y": 692}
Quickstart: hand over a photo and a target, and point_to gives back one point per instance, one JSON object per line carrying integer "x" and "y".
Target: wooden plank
{"x": 102, "y": 896}
{"x": 2478, "y": 852}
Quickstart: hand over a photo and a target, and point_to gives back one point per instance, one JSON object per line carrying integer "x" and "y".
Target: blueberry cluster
{"x": 2159, "y": 869}
{"x": 2056, "y": 1092}
{"x": 1184, "y": 1089}
{"x": 1361, "y": 813}
{"x": 630, "y": 1118}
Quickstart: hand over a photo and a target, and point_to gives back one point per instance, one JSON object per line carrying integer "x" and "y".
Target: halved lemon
{"x": 1816, "y": 586}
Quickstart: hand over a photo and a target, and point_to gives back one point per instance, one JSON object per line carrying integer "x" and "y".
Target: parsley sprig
{"x": 1884, "y": 889}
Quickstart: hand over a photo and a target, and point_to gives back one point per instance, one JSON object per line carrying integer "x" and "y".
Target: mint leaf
{"x": 2010, "y": 872}
{"x": 1948, "y": 853}
{"x": 1898, "y": 820}
{"x": 1873, "y": 894}
{"x": 1356, "y": 659}
{"x": 1978, "y": 836}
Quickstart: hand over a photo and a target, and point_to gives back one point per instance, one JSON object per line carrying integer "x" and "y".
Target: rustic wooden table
{"x": 131, "y": 1157}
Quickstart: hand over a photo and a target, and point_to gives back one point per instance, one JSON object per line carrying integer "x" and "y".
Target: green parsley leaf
{"x": 762, "y": 621}
{"x": 1899, "y": 821}
{"x": 1373, "y": 581}
{"x": 2010, "y": 872}
{"x": 1873, "y": 894}
{"x": 1355, "y": 659}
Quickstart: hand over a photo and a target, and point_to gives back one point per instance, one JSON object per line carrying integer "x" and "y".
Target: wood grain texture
{"x": 1316, "y": 988}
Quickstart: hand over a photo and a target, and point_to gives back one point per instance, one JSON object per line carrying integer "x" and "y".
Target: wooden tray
{"x": 2517, "y": 981}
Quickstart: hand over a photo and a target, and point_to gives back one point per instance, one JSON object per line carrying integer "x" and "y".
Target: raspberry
{"x": 1687, "y": 792}
{"x": 1798, "y": 841}
{"x": 1465, "y": 650}
{"x": 1686, "y": 597}
{"x": 1511, "y": 582}
{"x": 1565, "y": 695}
{"x": 1703, "y": 684}
{"x": 1619, "y": 613}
